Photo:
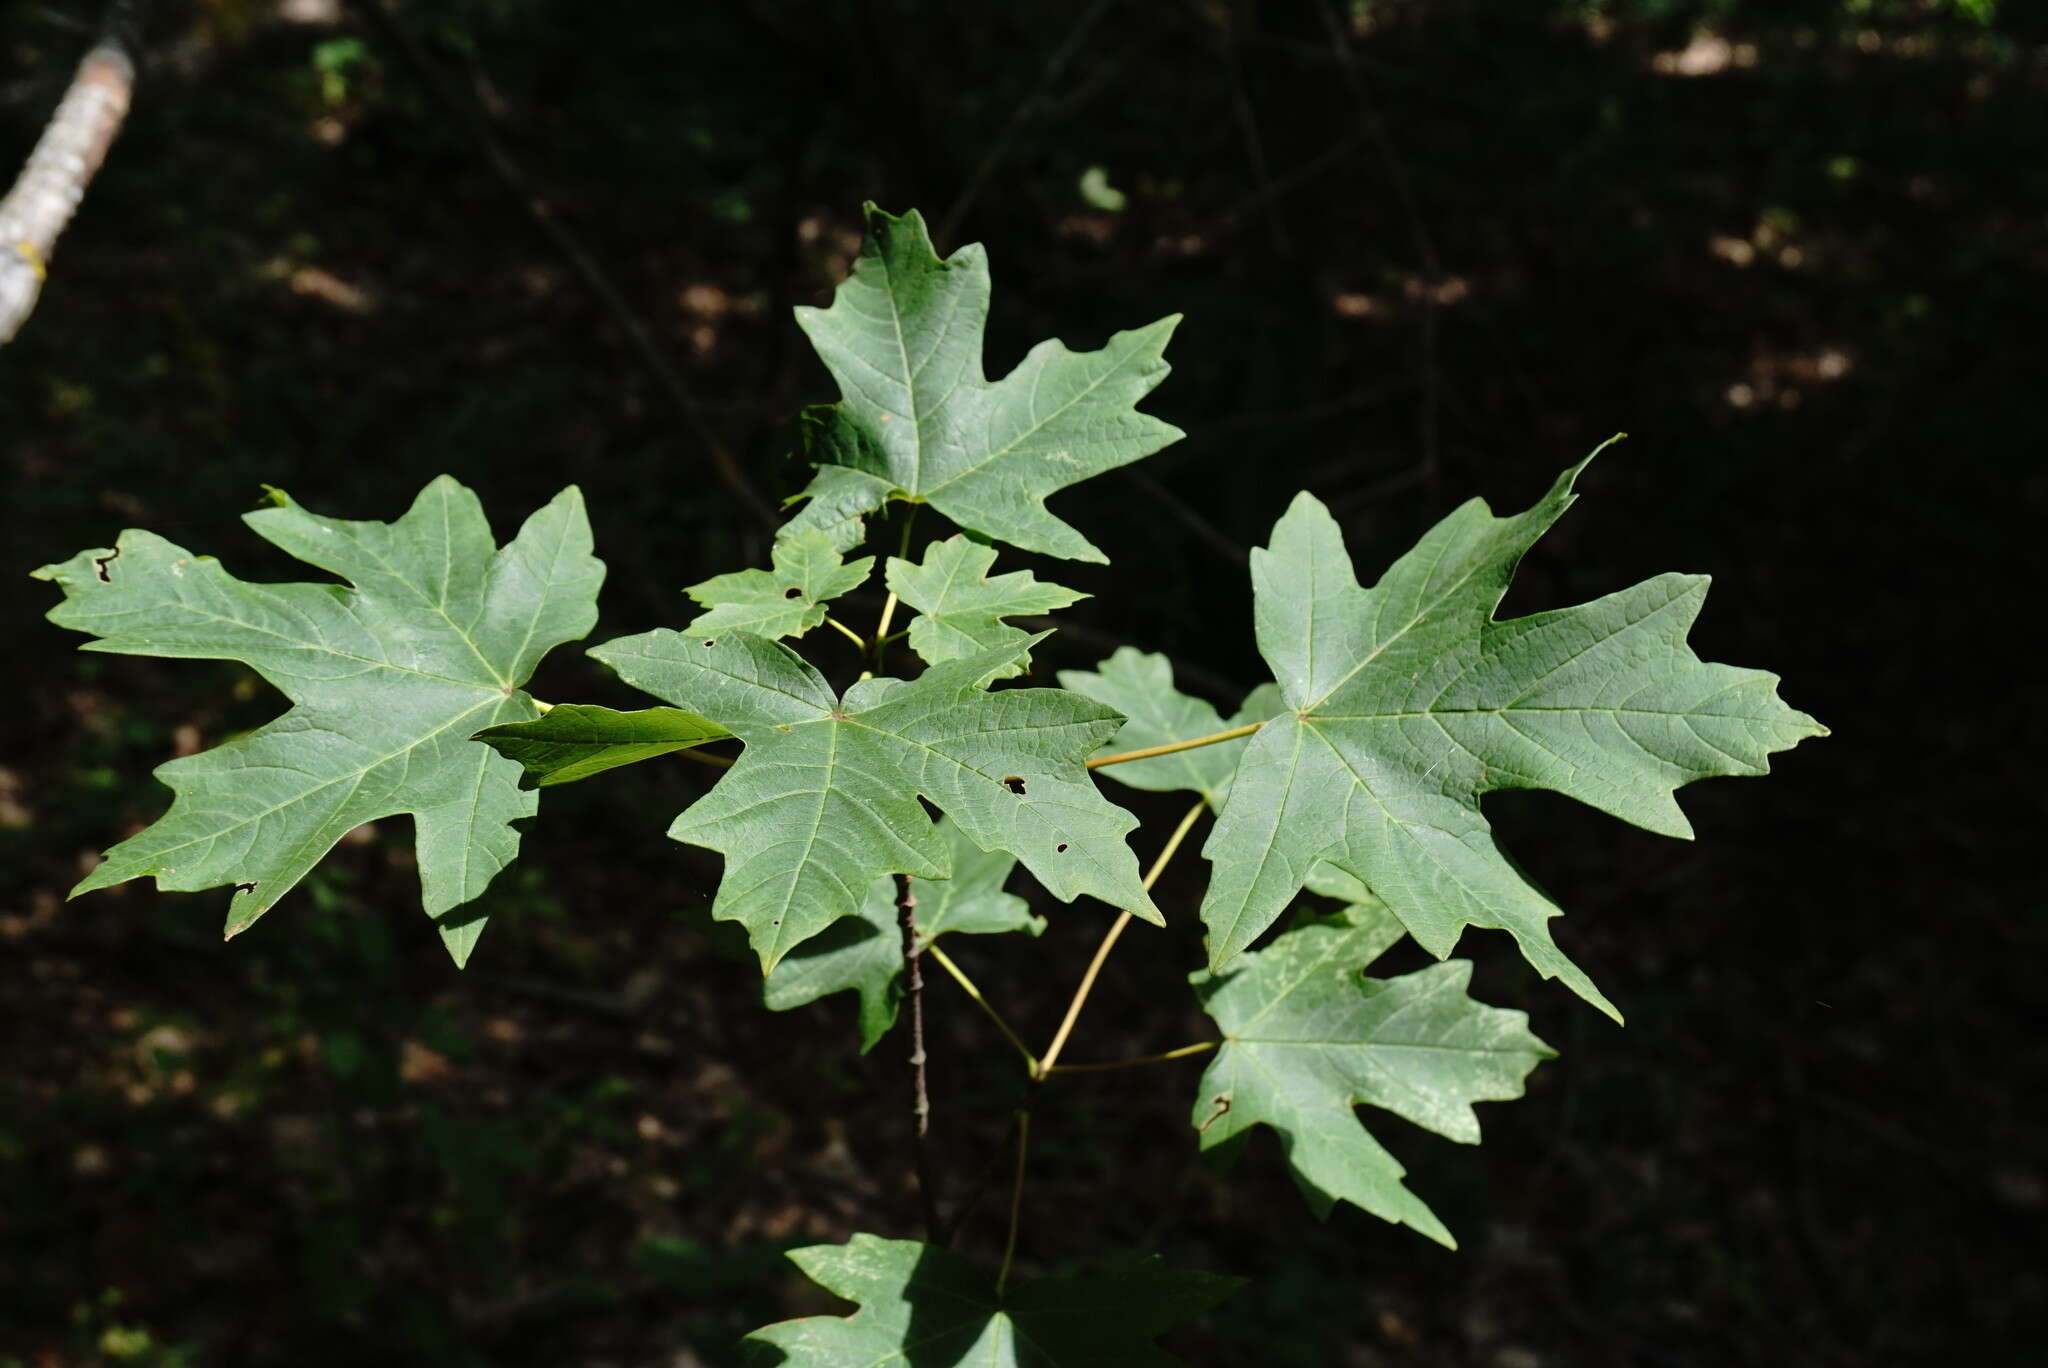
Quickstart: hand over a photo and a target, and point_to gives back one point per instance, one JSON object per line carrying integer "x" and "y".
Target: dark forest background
{"x": 1427, "y": 249}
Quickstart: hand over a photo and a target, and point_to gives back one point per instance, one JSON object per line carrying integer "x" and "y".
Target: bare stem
{"x": 967, "y": 985}
{"x": 1109, "y": 940}
{"x": 1171, "y": 747}
{"x": 920, "y": 1100}
{"x": 855, "y": 637}
{"x": 1202, "y": 1047}
{"x": 1016, "y": 1199}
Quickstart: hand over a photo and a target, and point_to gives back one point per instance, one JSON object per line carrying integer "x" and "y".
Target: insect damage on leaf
{"x": 1407, "y": 702}
{"x": 788, "y": 600}
{"x": 388, "y": 679}
{"x": 917, "y": 420}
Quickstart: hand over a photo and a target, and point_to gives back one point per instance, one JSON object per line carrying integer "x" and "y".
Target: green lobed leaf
{"x": 573, "y": 741}
{"x": 918, "y": 420}
{"x": 388, "y": 679}
{"x": 925, "y": 1306}
{"x": 1139, "y": 685}
{"x": 962, "y": 607}
{"x": 825, "y": 798}
{"x": 789, "y": 600}
{"x": 864, "y": 953}
{"x": 1407, "y": 702}
{"x": 1307, "y": 1037}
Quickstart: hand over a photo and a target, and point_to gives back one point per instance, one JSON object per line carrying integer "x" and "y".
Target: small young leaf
{"x": 917, "y": 419}
{"x": 825, "y": 798}
{"x": 786, "y": 601}
{"x": 864, "y": 953}
{"x": 963, "y": 609}
{"x": 388, "y": 680}
{"x": 1139, "y": 685}
{"x": 1407, "y": 702}
{"x": 928, "y": 1307}
{"x": 576, "y": 740}
{"x": 1307, "y": 1037}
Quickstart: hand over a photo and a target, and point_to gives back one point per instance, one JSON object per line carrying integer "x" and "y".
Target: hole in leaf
{"x": 710, "y": 643}
{"x": 931, "y": 809}
{"x": 792, "y": 593}
{"x": 1014, "y": 784}
{"x": 249, "y": 887}
{"x": 1060, "y": 849}
{"x": 99, "y": 565}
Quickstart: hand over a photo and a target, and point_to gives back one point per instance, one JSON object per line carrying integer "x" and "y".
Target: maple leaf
{"x": 1307, "y": 1037}
{"x": 864, "y": 953}
{"x": 1139, "y": 685}
{"x": 962, "y": 607}
{"x": 825, "y": 797}
{"x": 573, "y": 741}
{"x": 927, "y": 1306}
{"x": 788, "y": 600}
{"x": 388, "y": 681}
{"x": 918, "y": 421}
{"x": 1405, "y": 703}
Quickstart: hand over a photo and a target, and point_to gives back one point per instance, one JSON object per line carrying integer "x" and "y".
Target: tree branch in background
{"x": 52, "y": 184}
{"x": 383, "y": 21}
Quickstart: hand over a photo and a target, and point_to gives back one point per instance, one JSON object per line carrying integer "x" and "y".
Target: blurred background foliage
{"x": 1426, "y": 249}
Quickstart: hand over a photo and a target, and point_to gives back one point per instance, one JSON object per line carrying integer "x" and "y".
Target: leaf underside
{"x": 925, "y": 1306}
{"x": 1307, "y": 1037}
{"x": 388, "y": 679}
{"x": 825, "y": 798}
{"x": 917, "y": 419}
{"x": 1405, "y": 703}
{"x": 864, "y": 953}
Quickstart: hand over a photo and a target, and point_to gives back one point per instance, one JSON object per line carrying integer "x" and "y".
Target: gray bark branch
{"x": 53, "y": 182}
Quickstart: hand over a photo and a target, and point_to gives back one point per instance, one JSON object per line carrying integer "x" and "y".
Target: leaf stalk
{"x": 1109, "y": 940}
{"x": 1173, "y": 747}
{"x": 1200, "y": 1047}
{"x": 967, "y": 986}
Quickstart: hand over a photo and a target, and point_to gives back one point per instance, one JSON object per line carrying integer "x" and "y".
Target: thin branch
{"x": 1375, "y": 129}
{"x": 70, "y": 152}
{"x": 1204, "y": 530}
{"x": 1173, "y": 747}
{"x": 379, "y": 15}
{"x": 1248, "y": 129}
{"x": 1109, "y": 940}
{"x": 855, "y": 637}
{"x": 1020, "y": 114}
{"x": 967, "y": 985}
{"x": 1016, "y": 1200}
{"x": 1308, "y": 172}
{"x": 1201, "y": 1047}
{"x": 920, "y": 1100}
